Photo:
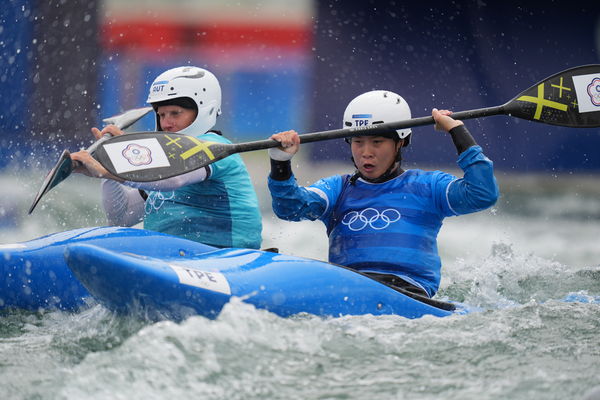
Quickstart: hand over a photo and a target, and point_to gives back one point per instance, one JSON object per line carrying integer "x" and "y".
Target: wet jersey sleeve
{"x": 295, "y": 203}
{"x": 175, "y": 182}
{"x": 124, "y": 206}
{"x": 478, "y": 189}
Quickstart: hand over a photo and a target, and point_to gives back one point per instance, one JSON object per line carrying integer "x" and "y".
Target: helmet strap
{"x": 393, "y": 171}
{"x": 399, "y": 154}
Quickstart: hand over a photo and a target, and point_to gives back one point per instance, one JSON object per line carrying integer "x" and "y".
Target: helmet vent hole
{"x": 348, "y": 123}
{"x": 204, "y": 89}
{"x": 201, "y": 102}
{"x": 172, "y": 88}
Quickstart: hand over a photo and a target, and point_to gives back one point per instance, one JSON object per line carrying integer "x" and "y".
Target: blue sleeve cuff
{"x": 472, "y": 155}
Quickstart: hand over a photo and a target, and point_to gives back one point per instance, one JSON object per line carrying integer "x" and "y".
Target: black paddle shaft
{"x": 186, "y": 153}
{"x": 370, "y": 130}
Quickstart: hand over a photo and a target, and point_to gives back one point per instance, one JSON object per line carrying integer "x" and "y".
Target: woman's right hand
{"x": 444, "y": 121}
{"x": 289, "y": 144}
{"x": 89, "y": 166}
{"x": 289, "y": 141}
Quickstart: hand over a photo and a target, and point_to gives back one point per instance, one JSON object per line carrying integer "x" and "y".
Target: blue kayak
{"x": 36, "y": 277}
{"x": 176, "y": 287}
{"x": 135, "y": 270}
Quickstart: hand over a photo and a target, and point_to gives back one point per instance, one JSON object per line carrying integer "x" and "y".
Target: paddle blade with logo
{"x": 570, "y": 98}
{"x": 152, "y": 156}
{"x": 64, "y": 166}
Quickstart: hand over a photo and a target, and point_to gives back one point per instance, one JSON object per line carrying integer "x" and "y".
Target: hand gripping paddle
{"x": 65, "y": 166}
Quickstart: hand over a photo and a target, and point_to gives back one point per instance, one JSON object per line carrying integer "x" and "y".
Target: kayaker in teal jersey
{"x": 383, "y": 220}
{"x": 215, "y": 205}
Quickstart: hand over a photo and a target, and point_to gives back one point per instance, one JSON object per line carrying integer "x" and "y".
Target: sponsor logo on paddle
{"x": 593, "y": 90}
{"x": 214, "y": 281}
{"x": 587, "y": 88}
{"x": 135, "y": 155}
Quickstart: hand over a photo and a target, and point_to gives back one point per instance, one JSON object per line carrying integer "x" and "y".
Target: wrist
{"x": 279, "y": 155}
{"x": 462, "y": 138}
{"x": 281, "y": 170}
{"x": 455, "y": 125}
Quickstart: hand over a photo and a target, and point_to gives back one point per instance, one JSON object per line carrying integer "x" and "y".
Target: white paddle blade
{"x": 127, "y": 118}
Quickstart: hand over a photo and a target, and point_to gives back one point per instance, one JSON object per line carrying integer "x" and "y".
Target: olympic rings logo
{"x": 357, "y": 221}
{"x": 157, "y": 199}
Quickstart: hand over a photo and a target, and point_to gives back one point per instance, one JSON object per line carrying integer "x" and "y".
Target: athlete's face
{"x": 175, "y": 118}
{"x": 373, "y": 155}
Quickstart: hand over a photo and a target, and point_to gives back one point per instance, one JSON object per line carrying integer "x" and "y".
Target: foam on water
{"x": 531, "y": 264}
{"x": 529, "y": 351}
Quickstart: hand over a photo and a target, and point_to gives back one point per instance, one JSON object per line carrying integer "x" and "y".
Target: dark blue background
{"x": 459, "y": 55}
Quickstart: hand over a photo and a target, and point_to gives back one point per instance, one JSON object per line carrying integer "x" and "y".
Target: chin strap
{"x": 391, "y": 173}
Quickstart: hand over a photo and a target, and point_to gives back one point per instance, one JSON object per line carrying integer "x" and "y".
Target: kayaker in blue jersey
{"x": 383, "y": 220}
{"x": 215, "y": 205}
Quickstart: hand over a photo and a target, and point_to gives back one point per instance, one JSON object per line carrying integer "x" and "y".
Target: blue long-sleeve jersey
{"x": 390, "y": 227}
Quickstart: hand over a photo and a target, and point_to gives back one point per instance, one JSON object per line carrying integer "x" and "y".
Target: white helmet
{"x": 195, "y": 83}
{"x": 376, "y": 107}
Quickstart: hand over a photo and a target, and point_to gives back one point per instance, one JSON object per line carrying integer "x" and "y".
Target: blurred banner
{"x": 48, "y": 76}
{"x": 66, "y": 64}
{"x": 259, "y": 50}
{"x": 15, "y": 37}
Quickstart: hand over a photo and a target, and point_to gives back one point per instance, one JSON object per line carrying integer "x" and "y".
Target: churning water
{"x": 531, "y": 264}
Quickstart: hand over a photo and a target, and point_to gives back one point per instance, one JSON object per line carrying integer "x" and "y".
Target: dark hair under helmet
{"x": 183, "y": 102}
